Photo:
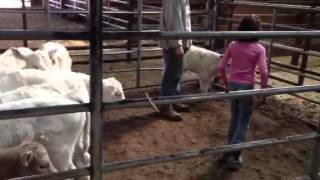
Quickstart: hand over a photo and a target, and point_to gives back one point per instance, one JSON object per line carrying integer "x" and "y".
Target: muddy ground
{"x": 136, "y": 133}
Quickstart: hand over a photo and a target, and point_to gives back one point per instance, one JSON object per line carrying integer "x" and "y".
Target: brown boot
{"x": 181, "y": 107}
{"x": 168, "y": 113}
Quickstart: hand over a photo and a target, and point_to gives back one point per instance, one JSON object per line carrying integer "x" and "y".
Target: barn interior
{"x": 119, "y": 38}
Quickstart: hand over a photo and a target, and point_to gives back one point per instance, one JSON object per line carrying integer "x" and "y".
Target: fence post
{"x": 305, "y": 57}
{"x": 274, "y": 17}
{"x": 315, "y": 161}
{"x": 24, "y": 22}
{"x": 96, "y": 88}
{"x": 139, "y": 9}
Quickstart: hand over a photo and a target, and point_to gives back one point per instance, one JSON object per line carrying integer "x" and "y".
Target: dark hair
{"x": 249, "y": 23}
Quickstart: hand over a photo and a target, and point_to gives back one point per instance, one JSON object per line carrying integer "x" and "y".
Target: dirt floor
{"x": 137, "y": 133}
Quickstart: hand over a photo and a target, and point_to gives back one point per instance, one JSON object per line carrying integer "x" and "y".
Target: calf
{"x": 203, "y": 62}
{"x": 65, "y": 136}
{"x": 26, "y": 159}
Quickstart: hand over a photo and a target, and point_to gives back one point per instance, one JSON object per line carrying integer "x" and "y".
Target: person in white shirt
{"x": 175, "y": 16}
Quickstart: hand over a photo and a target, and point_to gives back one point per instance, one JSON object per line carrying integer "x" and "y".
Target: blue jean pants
{"x": 241, "y": 110}
{"x": 172, "y": 73}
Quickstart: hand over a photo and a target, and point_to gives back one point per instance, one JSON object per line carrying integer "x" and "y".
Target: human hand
{"x": 179, "y": 52}
{"x": 223, "y": 82}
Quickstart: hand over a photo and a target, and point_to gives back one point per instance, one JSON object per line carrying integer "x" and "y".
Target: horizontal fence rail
{"x": 207, "y": 151}
{"x": 58, "y": 175}
{"x": 274, "y": 6}
{"x": 147, "y": 35}
{"x": 211, "y": 96}
{"x": 281, "y": 26}
{"x": 156, "y": 35}
{"x": 42, "y": 111}
{"x": 141, "y": 102}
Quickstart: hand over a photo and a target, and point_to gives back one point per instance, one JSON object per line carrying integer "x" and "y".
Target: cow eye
{"x": 117, "y": 93}
{"x": 44, "y": 166}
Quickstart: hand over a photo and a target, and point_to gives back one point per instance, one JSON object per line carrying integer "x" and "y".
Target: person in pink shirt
{"x": 243, "y": 55}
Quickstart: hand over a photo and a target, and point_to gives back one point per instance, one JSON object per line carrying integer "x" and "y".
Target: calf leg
{"x": 204, "y": 85}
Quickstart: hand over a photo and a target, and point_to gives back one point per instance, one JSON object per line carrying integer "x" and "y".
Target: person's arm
{"x": 263, "y": 68}
{"x": 222, "y": 67}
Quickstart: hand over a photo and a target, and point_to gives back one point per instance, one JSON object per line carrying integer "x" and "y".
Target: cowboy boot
{"x": 181, "y": 107}
{"x": 168, "y": 113}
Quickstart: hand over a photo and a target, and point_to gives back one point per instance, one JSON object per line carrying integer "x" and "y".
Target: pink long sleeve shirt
{"x": 244, "y": 57}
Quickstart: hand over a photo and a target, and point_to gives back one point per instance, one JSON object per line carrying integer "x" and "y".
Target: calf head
{"x": 112, "y": 90}
{"x": 34, "y": 159}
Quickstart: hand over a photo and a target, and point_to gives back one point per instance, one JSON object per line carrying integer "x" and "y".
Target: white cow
{"x": 10, "y": 80}
{"x": 203, "y": 62}
{"x": 26, "y": 159}
{"x": 58, "y": 54}
{"x": 65, "y": 136}
{"x": 75, "y": 90}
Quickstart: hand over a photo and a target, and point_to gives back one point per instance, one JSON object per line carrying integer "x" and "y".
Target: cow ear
{"x": 16, "y": 52}
{"x": 52, "y": 53}
{"x": 26, "y": 158}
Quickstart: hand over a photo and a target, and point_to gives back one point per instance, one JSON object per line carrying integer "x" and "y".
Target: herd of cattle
{"x": 44, "y": 78}
{"x": 41, "y": 78}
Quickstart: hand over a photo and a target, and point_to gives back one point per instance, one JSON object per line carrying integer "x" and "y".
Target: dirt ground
{"x": 136, "y": 133}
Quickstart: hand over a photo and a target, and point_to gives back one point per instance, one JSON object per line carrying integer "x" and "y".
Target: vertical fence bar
{"x": 47, "y": 9}
{"x": 24, "y": 22}
{"x": 215, "y": 24}
{"x": 306, "y": 47}
{"x": 140, "y": 4}
{"x": 130, "y": 28}
{"x": 315, "y": 161}
{"x": 96, "y": 87}
{"x": 274, "y": 17}
{"x": 230, "y": 15}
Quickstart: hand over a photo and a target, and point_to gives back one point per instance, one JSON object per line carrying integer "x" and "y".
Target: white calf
{"x": 10, "y": 80}
{"x": 26, "y": 159}
{"x": 203, "y": 62}
{"x": 62, "y": 135}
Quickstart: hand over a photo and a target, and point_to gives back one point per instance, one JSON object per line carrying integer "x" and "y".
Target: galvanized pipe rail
{"x": 287, "y": 27}
{"x": 142, "y": 102}
{"x": 275, "y": 6}
{"x": 6, "y": 34}
{"x": 206, "y": 152}
{"x": 109, "y": 167}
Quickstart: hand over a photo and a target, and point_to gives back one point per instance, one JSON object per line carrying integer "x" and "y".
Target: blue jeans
{"x": 241, "y": 110}
{"x": 172, "y": 73}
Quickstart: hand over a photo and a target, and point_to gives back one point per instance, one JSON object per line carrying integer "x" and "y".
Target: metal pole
{"x": 213, "y": 20}
{"x": 47, "y": 8}
{"x": 307, "y": 42}
{"x": 274, "y": 17}
{"x": 206, "y": 151}
{"x": 24, "y": 22}
{"x": 130, "y": 28}
{"x": 96, "y": 88}
{"x": 315, "y": 161}
{"x": 140, "y": 4}
{"x": 230, "y": 15}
